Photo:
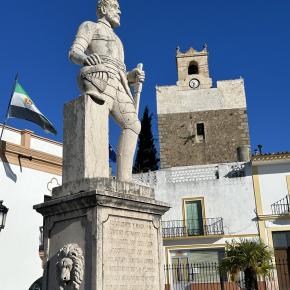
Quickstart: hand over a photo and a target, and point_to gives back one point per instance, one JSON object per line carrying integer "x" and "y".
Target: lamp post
{"x": 3, "y": 214}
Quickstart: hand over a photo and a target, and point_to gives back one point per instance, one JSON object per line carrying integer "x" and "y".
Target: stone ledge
{"x": 103, "y": 185}
{"x": 96, "y": 198}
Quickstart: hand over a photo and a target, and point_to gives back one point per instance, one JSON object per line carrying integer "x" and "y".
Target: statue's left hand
{"x": 136, "y": 76}
{"x": 92, "y": 59}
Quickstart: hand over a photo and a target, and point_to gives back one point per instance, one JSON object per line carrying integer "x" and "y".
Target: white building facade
{"x": 271, "y": 176}
{"x": 210, "y": 206}
{"x": 206, "y": 173}
{"x": 29, "y": 167}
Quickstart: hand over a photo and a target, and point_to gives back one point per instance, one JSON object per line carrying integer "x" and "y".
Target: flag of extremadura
{"x": 22, "y": 107}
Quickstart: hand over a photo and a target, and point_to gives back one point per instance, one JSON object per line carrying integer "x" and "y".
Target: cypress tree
{"x": 146, "y": 158}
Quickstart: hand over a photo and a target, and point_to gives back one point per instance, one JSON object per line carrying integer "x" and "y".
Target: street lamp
{"x": 3, "y": 214}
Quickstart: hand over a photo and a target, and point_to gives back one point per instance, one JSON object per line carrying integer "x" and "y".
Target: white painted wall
{"x": 11, "y": 136}
{"x": 229, "y": 198}
{"x": 229, "y": 94}
{"x": 19, "y": 242}
{"x": 21, "y": 189}
{"x": 273, "y": 183}
{"x": 47, "y": 147}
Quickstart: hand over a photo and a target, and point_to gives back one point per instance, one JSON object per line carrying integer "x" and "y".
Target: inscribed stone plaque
{"x": 130, "y": 254}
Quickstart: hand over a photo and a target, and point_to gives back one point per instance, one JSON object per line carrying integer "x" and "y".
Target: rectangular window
{"x": 194, "y": 218}
{"x": 200, "y": 133}
{"x": 196, "y": 265}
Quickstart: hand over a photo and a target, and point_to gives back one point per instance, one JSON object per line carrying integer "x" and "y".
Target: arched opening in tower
{"x": 193, "y": 68}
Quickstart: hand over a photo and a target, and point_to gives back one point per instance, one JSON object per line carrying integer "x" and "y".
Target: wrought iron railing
{"x": 192, "y": 227}
{"x": 208, "y": 276}
{"x": 281, "y": 207}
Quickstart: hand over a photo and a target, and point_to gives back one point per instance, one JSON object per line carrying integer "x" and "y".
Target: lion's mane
{"x": 75, "y": 253}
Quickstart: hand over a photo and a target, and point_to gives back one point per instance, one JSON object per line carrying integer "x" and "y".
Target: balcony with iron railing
{"x": 192, "y": 227}
{"x": 281, "y": 207}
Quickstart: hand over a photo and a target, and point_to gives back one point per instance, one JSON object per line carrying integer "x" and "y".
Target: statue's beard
{"x": 114, "y": 21}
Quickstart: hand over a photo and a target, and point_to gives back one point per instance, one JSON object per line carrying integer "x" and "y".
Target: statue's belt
{"x": 100, "y": 76}
{"x": 113, "y": 62}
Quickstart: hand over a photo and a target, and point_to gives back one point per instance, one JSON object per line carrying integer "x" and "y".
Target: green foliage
{"x": 146, "y": 158}
{"x": 245, "y": 254}
{"x": 252, "y": 257}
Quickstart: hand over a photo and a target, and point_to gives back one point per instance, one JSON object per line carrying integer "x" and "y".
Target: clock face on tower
{"x": 194, "y": 83}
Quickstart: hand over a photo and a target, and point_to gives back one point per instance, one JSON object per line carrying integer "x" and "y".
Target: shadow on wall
{"x": 8, "y": 170}
{"x": 239, "y": 170}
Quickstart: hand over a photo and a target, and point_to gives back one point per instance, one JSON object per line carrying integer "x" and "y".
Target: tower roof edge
{"x": 191, "y": 52}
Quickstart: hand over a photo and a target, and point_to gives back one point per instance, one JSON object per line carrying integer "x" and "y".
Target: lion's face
{"x": 65, "y": 267}
{"x": 70, "y": 267}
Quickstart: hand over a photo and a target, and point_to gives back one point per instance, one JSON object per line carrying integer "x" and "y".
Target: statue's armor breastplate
{"x": 106, "y": 43}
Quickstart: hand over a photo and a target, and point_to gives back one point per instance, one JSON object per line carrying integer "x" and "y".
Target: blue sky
{"x": 249, "y": 38}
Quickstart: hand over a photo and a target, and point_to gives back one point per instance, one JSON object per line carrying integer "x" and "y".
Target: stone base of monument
{"x": 101, "y": 234}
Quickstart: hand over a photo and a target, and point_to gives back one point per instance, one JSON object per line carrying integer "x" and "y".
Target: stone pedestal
{"x": 118, "y": 227}
{"x": 85, "y": 140}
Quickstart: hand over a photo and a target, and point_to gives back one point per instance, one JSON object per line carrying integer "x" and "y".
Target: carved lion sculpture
{"x": 70, "y": 267}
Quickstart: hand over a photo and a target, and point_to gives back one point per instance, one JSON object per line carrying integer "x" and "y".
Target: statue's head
{"x": 110, "y": 10}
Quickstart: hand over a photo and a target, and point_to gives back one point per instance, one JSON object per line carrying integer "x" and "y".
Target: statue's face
{"x": 65, "y": 268}
{"x": 113, "y": 13}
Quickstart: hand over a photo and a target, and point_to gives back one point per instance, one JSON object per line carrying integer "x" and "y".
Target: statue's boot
{"x": 126, "y": 150}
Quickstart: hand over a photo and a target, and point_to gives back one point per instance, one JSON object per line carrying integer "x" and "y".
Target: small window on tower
{"x": 200, "y": 134}
{"x": 193, "y": 68}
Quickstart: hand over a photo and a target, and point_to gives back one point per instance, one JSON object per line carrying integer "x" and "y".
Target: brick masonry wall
{"x": 225, "y": 131}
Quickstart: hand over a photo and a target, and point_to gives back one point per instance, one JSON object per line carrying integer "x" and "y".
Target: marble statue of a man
{"x": 103, "y": 77}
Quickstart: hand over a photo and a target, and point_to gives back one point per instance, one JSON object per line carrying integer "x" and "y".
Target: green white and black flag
{"x": 22, "y": 107}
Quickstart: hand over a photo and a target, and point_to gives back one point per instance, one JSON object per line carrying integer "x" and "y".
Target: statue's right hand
{"x": 92, "y": 59}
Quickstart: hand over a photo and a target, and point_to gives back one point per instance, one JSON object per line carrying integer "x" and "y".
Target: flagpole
{"x": 5, "y": 121}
